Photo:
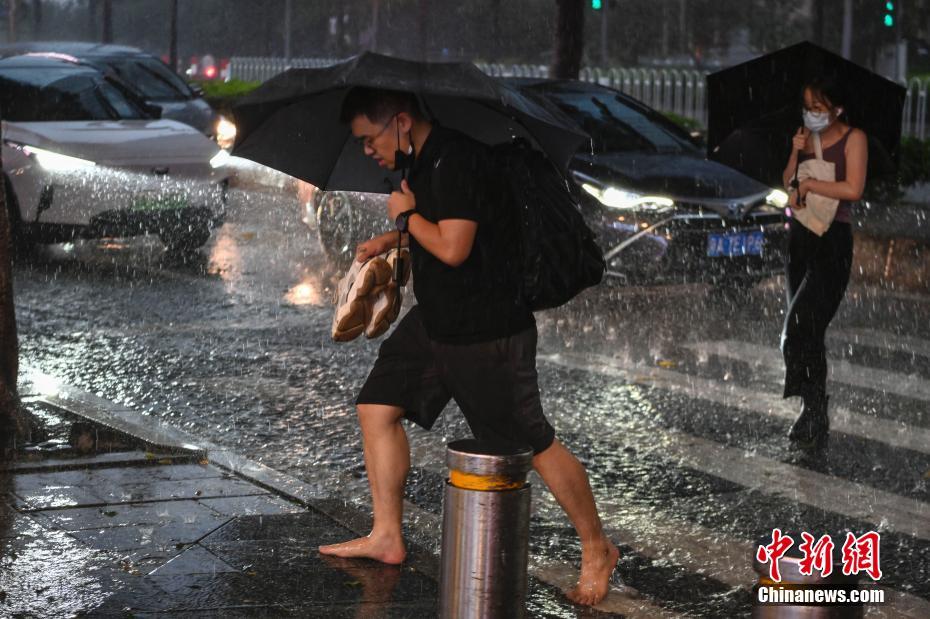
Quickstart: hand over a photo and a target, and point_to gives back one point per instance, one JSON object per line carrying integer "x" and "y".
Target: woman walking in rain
{"x": 817, "y": 267}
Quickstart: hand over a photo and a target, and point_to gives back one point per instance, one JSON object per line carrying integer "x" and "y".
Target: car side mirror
{"x": 153, "y": 110}
{"x": 196, "y": 88}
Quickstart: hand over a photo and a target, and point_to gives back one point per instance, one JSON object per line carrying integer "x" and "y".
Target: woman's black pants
{"x": 817, "y": 270}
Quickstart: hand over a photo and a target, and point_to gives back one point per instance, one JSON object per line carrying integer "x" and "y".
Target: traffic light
{"x": 598, "y": 4}
{"x": 888, "y": 18}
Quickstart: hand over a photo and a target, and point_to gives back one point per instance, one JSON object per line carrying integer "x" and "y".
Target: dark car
{"x": 662, "y": 212}
{"x": 149, "y": 78}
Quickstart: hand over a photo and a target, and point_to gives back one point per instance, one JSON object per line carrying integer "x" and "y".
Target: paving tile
{"x": 232, "y": 612}
{"x": 271, "y": 555}
{"x": 142, "y": 595}
{"x": 209, "y": 591}
{"x": 53, "y": 574}
{"x": 179, "y": 489}
{"x": 190, "y": 471}
{"x": 117, "y": 458}
{"x": 194, "y": 560}
{"x": 66, "y": 496}
{"x": 301, "y": 526}
{"x": 162, "y": 512}
{"x": 26, "y": 482}
{"x": 371, "y": 583}
{"x": 381, "y": 610}
{"x": 20, "y": 526}
{"x": 265, "y": 505}
{"x": 146, "y": 560}
{"x": 159, "y": 537}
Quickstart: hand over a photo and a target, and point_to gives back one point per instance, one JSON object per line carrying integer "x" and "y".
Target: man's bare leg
{"x": 568, "y": 482}
{"x": 387, "y": 460}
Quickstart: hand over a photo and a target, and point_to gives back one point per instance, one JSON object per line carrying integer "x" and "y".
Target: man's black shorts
{"x": 493, "y": 382}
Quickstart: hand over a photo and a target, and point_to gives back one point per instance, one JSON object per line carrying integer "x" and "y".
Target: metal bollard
{"x": 789, "y": 567}
{"x": 485, "y": 530}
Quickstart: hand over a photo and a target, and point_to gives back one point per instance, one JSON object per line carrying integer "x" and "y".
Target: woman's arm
{"x": 857, "y": 160}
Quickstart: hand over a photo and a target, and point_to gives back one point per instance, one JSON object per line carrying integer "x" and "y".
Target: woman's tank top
{"x": 836, "y": 154}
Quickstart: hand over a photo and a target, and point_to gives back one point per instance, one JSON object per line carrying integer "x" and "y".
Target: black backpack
{"x": 555, "y": 253}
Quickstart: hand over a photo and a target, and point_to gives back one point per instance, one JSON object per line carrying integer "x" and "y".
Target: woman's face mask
{"x": 817, "y": 121}
{"x": 821, "y": 117}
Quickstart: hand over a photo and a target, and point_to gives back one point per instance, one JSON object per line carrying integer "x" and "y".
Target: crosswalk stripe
{"x": 864, "y": 292}
{"x": 769, "y": 360}
{"x": 893, "y": 433}
{"x": 882, "y": 340}
{"x": 891, "y": 511}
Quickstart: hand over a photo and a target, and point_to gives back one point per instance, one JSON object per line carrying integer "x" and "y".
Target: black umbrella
{"x": 754, "y": 109}
{"x": 291, "y": 122}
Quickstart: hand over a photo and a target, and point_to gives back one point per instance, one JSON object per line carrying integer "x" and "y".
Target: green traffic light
{"x": 596, "y": 4}
{"x": 889, "y": 6}
{"x": 889, "y": 21}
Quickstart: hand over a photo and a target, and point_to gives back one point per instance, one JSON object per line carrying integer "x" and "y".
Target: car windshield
{"x": 74, "y": 97}
{"x": 150, "y": 78}
{"x": 616, "y": 126}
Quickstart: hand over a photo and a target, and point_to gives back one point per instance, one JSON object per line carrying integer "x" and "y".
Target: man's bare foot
{"x": 384, "y": 549}
{"x": 597, "y": 564}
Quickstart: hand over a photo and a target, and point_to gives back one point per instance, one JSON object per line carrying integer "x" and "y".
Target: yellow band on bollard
{"x": 469, "y": 481}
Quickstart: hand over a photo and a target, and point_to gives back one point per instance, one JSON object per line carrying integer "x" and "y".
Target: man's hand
{"x": 370, "y": 248}
{"x": 401, "y": 201}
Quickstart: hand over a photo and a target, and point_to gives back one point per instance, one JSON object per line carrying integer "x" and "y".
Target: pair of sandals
{"x": 368, "y": 298}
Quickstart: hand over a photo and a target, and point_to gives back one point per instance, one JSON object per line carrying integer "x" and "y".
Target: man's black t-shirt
{"x": 475, "y": 301}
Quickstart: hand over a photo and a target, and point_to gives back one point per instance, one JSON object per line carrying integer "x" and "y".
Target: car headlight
{"x": 225, "y": 132}
{"x": 614, "y": 197}
{"x": 220, "y": 159}
{"x": 52, "y": 161}
{"x": 777, "y": 198}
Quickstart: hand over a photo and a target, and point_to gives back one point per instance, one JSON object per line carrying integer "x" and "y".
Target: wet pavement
{"x": 139, "y": 530}
{"x": 670, "y": 396}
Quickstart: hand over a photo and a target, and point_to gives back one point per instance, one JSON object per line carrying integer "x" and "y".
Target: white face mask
{"x": 816, "y": 121}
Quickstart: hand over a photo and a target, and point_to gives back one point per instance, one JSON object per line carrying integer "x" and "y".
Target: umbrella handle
{"x": 795, "y": 184}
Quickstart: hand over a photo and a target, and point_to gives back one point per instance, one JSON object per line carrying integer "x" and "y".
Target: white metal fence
{"x": 678, "y": 91}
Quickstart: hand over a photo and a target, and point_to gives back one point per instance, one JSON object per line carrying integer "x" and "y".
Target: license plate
{"x": 158, "y": 203}
{"x": 735, "y": 244}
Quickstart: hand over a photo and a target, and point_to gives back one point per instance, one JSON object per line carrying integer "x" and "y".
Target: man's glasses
{"x": 367, "y": 142}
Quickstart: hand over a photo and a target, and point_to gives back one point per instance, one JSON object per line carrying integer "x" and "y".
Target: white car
{"x": 82, "y": 158}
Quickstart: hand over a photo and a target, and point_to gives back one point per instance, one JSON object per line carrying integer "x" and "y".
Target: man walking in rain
{"x": 470, "y": 337}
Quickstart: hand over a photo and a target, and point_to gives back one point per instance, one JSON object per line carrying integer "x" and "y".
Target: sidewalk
{"x": 140, "y": 526}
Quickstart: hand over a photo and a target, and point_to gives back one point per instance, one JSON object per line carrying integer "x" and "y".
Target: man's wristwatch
{"x": 401, "y": 222}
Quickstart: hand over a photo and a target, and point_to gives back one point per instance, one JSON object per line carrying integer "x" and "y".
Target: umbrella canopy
{"x": 754, "y": 109}
{"x": 291, "y": 122}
